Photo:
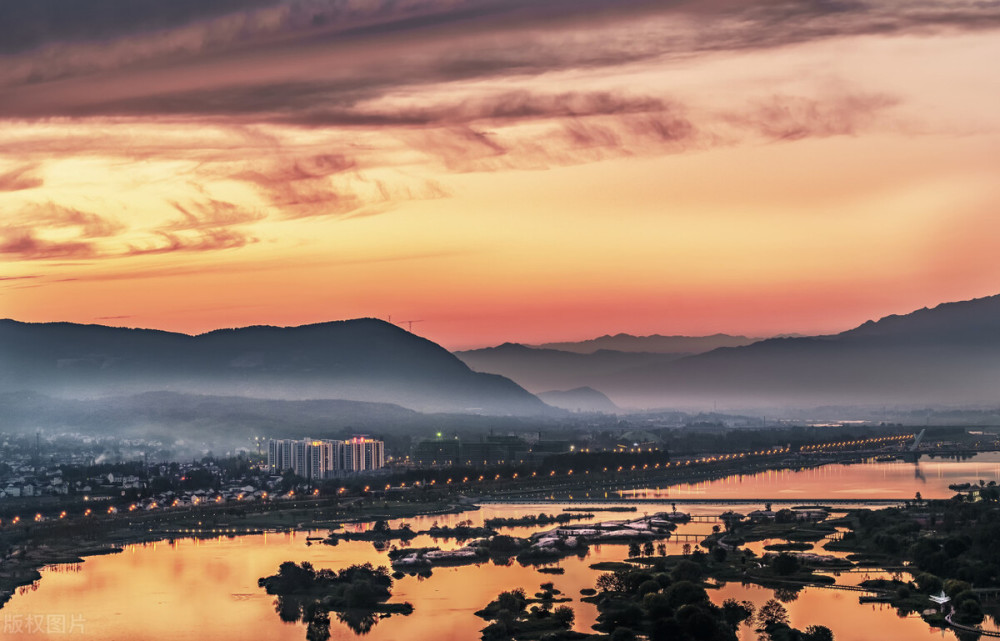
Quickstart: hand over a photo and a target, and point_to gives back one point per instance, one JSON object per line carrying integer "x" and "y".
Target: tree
{"x": 969, "y": 611}
{"x": 564, "y": 615}
{"x": 647, "y": 548}
{"x": 648, "y": 587}
{"x": 736, "y": 612}
{"x": 952, "y": 587}
{"x": 613, "y": 581}
{"x": 686, "y": 571}
{"x": 623, "y": 634}
{"x": 684, "y": 592}
{"x": 785, "y": 564}
{"x": 771, "y": 614}
{"x": 817, "y": 633}
{"x": 633, "y": 549}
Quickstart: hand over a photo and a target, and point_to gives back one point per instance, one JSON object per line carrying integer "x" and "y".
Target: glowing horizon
{"x": 499, "y": 171}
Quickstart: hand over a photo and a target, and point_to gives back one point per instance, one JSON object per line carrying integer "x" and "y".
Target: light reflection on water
{"x": 892, "y": 480}
{"x": 207, "y": 589}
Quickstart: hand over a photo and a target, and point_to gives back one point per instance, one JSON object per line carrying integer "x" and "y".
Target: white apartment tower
{"x": 321, "y": 459}
{"x": 361, "y": 454}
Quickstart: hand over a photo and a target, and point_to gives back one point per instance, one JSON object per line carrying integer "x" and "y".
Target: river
{"x": 207, "y": 589}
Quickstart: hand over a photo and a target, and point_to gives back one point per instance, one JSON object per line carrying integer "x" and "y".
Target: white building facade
{"x": 323, "y": 459}
{"x": 361, "y": 454}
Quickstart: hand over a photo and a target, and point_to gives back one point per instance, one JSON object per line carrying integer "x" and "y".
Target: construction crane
{"x": 409, "y": 324}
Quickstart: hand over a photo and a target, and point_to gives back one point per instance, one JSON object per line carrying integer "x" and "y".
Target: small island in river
{"x": 358, "y": 595}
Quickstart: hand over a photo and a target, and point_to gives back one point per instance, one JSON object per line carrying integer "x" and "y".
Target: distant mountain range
{"x": 581, "y": 399}
{"x": 591, "y": 363}
{"x": 654, "y": 343}
{"x": 361, "y": 360}
{"x": 947, "y": 355}
{"x": 540, "y": 369}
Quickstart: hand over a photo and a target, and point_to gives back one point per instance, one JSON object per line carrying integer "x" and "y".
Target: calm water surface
{"x": 207, "y": 589}
{"x": 894, "y": 480}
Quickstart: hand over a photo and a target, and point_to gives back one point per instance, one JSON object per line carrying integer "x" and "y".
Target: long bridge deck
{"x": 695, "y": 501}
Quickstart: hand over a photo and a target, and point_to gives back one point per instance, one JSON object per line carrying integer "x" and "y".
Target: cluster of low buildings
{"x": 229, "y": 494}
{"x": 487, "y": 450}
{"x": 25, "y": 482}
{"x": 324, "y": 459}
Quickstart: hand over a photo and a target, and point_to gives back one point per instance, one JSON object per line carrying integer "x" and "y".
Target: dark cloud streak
{"x": 25, "y": 26}
{"x": 443, "y": 41}
{"x": 20, "y": 179}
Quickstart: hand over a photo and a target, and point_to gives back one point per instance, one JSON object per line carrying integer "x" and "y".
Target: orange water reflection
{"x": 207, "y": 589}
{"x": 897, "y": 479}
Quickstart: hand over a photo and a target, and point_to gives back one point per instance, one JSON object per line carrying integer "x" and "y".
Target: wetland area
{"x": 188, "y": 589}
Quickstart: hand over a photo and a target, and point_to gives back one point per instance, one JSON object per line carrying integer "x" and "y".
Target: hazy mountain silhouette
{"x": 581, "y": 399}
{"x": 946, "y": 355}
{"x": 540, "y": 369}
{"x": 362, "y": 360}
{"x": 654, "y": 344}
{"x": 203, "y": 421}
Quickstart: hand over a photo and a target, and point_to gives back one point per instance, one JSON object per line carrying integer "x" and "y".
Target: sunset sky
{"x": 519, "y": 170}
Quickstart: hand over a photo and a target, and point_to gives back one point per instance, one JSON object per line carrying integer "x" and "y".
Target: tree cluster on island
{"x": 537, "y": 519}
{"x": 511, "y": 617}
{"x": 357, "y": 594}
{"x": 380, "y": 531}
{"x": 673, "y": 605}
{"x": 951, "y": 544}
{"x": 461, "y": 531}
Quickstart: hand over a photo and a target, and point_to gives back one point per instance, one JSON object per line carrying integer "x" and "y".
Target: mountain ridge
{"x": 358, "y": 359}
{"x": 942, "y": 355}
{"x": 652, "y": 343}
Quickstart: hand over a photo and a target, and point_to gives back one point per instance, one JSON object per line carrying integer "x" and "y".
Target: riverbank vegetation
{"x": 513, "y": 615}
{"x": 538, "y": 519}
{"x": 357, "y": 594}
{"x": 669, "y": 602}
{"x": 949, "y": 544}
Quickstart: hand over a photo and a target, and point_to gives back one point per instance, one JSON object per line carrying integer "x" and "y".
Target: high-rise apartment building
{"x": 361, "y": 454}
{"x": 321, "y": 459}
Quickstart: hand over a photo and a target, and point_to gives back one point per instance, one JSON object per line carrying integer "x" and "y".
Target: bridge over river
{"x": 695, "y": 501}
